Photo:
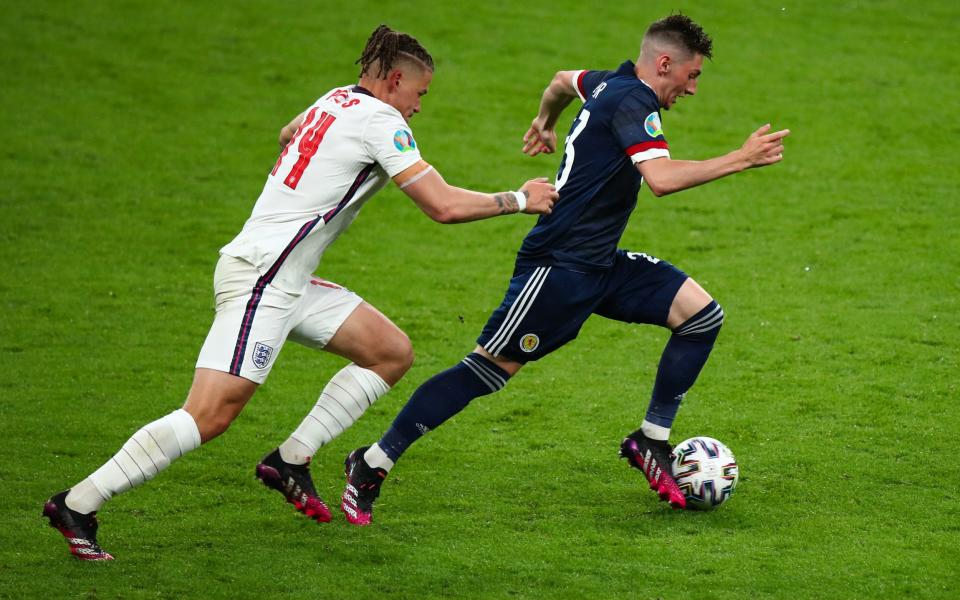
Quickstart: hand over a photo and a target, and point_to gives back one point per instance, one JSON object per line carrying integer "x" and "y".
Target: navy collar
{"x": 361, "y": 90}
{"x": 627, "y": 68}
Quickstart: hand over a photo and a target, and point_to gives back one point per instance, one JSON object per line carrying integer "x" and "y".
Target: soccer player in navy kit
{"x": 569, "y": 266}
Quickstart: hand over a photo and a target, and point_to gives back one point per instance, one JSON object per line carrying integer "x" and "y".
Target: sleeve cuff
{"x": 395, "y": 169}
{"x": 648, "y": 150}
{"x": 577, "y": 80}
{"x": 639, "y": 157}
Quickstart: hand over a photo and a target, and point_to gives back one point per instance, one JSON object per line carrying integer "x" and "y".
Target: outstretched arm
{"x": 445, "y": 203}
{"x": 665, "y": 176}
{"x": 542, "y": 135}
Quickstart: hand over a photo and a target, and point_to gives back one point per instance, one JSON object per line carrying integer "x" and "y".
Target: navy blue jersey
{"x": 618, "y": 126}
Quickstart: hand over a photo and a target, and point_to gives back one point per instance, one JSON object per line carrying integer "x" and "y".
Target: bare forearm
{"x": 665, "y": 176}
{"x": 556, "y": 97}
{"x": 287, "y": 133}
{"x": 677, "y": 175}
{"x": 462, "y": 205}
{"x": 445, "y": 203}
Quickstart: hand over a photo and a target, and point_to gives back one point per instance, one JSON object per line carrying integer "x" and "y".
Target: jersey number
{"x": 312, "y": 136}
{"x": 569, "y": 151}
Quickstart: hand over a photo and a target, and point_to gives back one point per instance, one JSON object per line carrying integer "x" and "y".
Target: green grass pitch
{"x": 137, "y": 135}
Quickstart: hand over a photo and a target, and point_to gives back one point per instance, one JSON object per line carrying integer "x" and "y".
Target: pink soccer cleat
{"x": 295, "y": 483}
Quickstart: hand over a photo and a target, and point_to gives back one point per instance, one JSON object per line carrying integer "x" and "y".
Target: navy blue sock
{"x": 681, "y": 362}
{"x": 439, "y": 398}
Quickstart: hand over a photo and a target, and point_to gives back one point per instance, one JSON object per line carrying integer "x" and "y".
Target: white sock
{"x": 655, "y": 432}
{"x": 377, "y": 458}
{"x": 350, "y": 392}
{"x": 85, "y": 497}
{"x": 147, "y": 452}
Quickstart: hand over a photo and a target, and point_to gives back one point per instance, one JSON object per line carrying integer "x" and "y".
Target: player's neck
{"x": 648, "y": 74}
{"x": 378, "y": 87}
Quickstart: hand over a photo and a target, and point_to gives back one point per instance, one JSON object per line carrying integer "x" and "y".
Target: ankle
{"x": 376, "y": 458}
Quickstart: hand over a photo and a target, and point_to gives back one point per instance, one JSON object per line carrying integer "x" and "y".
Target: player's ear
{"x": 663, "y": 64}
{"x": 394, "y": 77}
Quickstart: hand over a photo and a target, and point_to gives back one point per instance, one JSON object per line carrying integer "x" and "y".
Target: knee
{"x": 391, "y": 358}
{"x": 210, "y": 423}
{"x": 398, "y": 353}
{"x": 214, "y": 427}
{"x": 705, "y": 325}
{"x": 213, "y": 413}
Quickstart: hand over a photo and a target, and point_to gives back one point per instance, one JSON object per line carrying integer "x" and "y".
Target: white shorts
{"x": 254, "y": 319}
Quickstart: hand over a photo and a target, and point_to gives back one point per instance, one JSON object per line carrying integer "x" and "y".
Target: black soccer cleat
{"x": 363, "y": 487}
{"x": 652, "y": 458}
{"x": 295, "y": 483}
{"x": 80, "y": 530}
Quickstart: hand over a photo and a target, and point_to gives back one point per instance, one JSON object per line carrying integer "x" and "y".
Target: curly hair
{"x": 680, "y": 30}
{"x": 386, "y": 46}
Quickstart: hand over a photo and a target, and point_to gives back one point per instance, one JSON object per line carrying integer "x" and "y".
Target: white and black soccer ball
{"x": 706, "y": 472}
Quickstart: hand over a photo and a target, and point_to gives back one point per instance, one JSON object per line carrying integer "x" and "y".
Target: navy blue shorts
{"x": 545, "y": 307}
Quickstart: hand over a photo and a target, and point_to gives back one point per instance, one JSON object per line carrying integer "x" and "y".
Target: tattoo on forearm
{"x": 506, "y": 202}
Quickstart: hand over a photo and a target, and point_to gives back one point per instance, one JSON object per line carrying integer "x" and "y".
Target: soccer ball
{"x": 706, "y": 472}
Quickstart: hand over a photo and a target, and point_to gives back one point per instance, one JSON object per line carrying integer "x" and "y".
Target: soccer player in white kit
{"x": 336, "y": 156}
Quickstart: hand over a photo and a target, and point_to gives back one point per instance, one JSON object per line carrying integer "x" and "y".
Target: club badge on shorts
{"x": 529, "y": 342}
{"x": 261, "y": 355}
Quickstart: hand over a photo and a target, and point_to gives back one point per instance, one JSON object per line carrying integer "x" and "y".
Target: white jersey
{"x": 349, "y": 146}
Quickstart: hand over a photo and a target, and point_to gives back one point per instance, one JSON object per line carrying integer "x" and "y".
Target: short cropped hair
{"x": 387, "y": 47}
{"x": 680, "y": 30}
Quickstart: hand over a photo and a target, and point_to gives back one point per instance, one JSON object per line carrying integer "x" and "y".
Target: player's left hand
{"x": 539, "y": 139}
{"x": 541, "y": 196}
{"x": 763, "y": 148}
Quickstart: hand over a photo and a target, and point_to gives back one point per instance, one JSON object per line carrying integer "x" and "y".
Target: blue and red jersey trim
{"x": 643, "y": 146}
{"x": 583, "y": 92}
{"x": 361, "y": 177}
{"x": 246, "y": 325}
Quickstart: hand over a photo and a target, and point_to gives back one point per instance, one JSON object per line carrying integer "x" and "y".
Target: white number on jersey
{"x": 636, "y": 255}
{"x": 569, "y": 151}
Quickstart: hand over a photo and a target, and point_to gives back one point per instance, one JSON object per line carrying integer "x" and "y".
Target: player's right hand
{"x": 541, "y": 195}
{"x": 539, "y": 139}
